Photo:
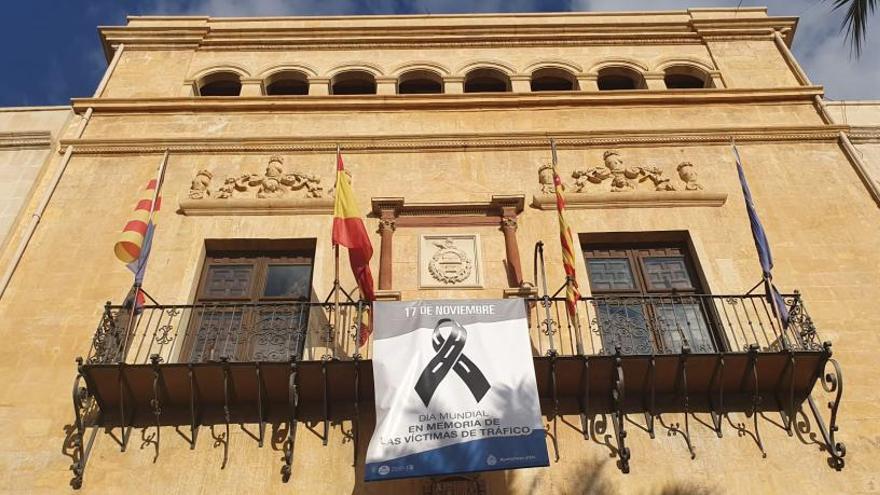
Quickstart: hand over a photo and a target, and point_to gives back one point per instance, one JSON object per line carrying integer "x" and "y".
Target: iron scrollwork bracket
{"x": 832, "y": 383}
{"x": 293, "y": 401}
{"x": 84, "y": 405}
{"x": 618, "y": 417}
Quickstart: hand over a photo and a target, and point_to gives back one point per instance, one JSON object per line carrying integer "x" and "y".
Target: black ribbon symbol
{"x": 450, "y": 356}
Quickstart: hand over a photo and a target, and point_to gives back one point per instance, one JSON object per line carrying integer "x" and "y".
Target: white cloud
{"x": 819, "y": 45}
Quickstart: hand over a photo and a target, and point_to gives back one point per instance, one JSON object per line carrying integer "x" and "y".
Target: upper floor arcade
{"x": 166, "y": 57}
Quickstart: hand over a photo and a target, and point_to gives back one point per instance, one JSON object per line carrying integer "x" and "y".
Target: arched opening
{"x": 486, "y": 81}
{"x": 619, "y": 79}
{"x": 353, "y": 82}
{"x": 220, "y": 84}
{"x": 551, "y": 79}
{"x": 418, "y": 82}
{"x": 287, "y": 83}
{"x": 686, "y": 77}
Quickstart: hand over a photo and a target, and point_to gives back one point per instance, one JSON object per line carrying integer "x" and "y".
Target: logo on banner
{"x": 450, "y": 356}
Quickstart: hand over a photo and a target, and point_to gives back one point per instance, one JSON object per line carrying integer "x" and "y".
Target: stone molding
{"x": 473, "y": 101}
{"x": 493, "y": 208}
{"x": 254, "y": 206}
{"x": 640, "y": 199}
{"x": 475, "y": 141}
{"x": 384, "y": 31}
{"x": 25, "y": 140}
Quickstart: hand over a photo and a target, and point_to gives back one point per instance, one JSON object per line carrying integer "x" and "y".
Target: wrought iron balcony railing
{"x": 667, "y": 324}
{"x": 234, "y": 332}
{"x": 273, "y": 332}
{"x": 215, "y": 364}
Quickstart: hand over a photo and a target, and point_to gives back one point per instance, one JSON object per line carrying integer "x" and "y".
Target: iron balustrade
{"x": 667, "y": 324}
{"x": 266, "y": 332}
{"x": 234, "y": 332}
{"x": 621, "y": 357}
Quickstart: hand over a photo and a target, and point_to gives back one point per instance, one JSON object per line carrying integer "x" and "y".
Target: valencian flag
{"x": 572, "y": 295}
{"x": 349, "y": 231}
{"x": 761, "y": 244}
{"x": 133, "y": 246}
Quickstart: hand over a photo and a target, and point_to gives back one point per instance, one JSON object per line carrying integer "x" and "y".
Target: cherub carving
{"x": 272, "y": 183}
{"x": 688, "y": 173}
{"x": 545, "y": 178}
{"x": 622, "y": 178}
{"x": 200, "y": 185}
{"x": 655, "y": 175}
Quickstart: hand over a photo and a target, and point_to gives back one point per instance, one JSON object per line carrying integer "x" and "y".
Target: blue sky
{"x": 51, "y": 50}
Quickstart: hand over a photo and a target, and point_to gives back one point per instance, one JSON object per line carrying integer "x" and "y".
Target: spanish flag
{"x": 349, "y": 231}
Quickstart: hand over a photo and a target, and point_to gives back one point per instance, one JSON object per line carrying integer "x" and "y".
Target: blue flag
{"x": 763, "y": 247}
{"x": 135, "y": 297}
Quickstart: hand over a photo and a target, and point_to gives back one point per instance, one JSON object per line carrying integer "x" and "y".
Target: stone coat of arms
{"x": 449, "y": 264}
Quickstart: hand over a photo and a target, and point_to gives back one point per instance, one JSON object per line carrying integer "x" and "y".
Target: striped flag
{"x": 572, "y": 294}
{"x": 349, "y": 231}
{"x": 135, "y": 242}
{"x": 761, "y": 244}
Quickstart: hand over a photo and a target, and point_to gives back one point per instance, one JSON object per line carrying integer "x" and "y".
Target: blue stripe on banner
{"x": 488, "y": 454}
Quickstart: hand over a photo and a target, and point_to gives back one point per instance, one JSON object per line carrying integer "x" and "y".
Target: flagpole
{"x": 770, "y": 291}
{"x": 335, "y": 277}
{"x": 579, "y": 344}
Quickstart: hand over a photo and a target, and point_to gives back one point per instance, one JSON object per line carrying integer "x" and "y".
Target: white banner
{"x": 455, "y": 389}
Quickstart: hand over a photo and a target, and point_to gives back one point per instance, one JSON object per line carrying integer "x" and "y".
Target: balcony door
{"x": 646, "y": 299}
{"x": 251, "y": 307}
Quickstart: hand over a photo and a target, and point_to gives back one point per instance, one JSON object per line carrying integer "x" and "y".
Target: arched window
{"x": 287, "y": 83}
{"x": 551, "y": 79}
{"x": 419, "y": 82}
{"x": 486, "y": 81}
{"x": 353, "y": 82}
{"x": 686, "y": 77}
{"x": 220, "y": 84}
{"x": 619, "y": 78}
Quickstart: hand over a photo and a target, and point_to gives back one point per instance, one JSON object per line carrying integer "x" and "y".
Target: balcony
{"x": 623, "y": 357}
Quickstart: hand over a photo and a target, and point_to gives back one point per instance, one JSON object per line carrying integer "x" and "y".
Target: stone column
{"x": 511, "y": 248}
{"x": 587, "y": 82}
{"x": 251, "y": 87}
{"x": 716, "y": 80}
{"x": 319, "y": 86}
{"x": 386, "y": 232}
{"x": 521, "y": 83}
{"x": 453, "y": 85}
{"x": 386, "y": 85}
{"x": 654, "y": 80}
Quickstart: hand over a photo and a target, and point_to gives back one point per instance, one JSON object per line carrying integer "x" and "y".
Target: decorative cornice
{"x": 470, "y": 101}
{"x": 473, "y": 141}
{"x": 25, "y": 140}
{"x": 653, "y": 199}
{"x": 864, "y": 134}
{"x": 492, "y": 208}
{"x": 299, "y": 33}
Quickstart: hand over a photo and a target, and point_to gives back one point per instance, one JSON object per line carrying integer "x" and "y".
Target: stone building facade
{"x": 27, "y": 137}
{"x": 444, "y": 122}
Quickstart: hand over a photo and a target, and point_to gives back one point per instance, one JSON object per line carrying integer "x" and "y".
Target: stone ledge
{"x": 648, "y": 199}
{"x": 254, "y": 206}
{"x": 388, "y": 295}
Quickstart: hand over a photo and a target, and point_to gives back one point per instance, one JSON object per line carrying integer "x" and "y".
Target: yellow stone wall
{"x": 820, "y": 218}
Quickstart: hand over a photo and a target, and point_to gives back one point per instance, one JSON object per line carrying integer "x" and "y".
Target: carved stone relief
{"x": 449, "y": 261}
{"x": 273, "y": 183}
{"x": 617, "y": 176}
